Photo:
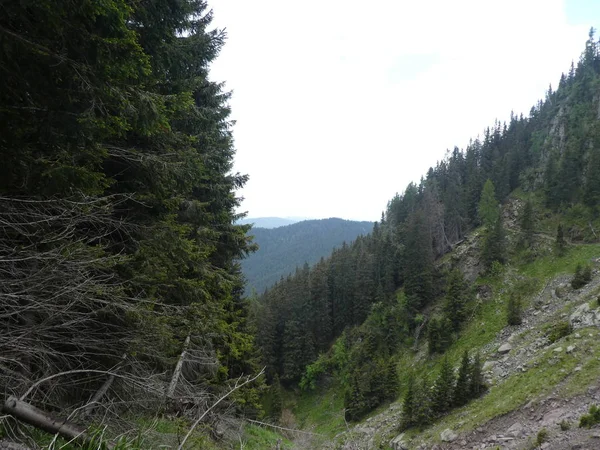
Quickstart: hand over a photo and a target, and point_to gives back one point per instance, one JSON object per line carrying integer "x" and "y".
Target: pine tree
{"x": 461, "y": 391}
{"x": 457, "y": 297}
{"x": 560, "y": 244}
{"x": 443, "y": 389}
{"x": 276, "y": 400}
{"x": 488, "y": 205}
{"x": 391, "y": 380}
{"x": 476, "y": 379}
{"x": 409, "y": 404}
{"x": 527, "y": 223}
{"x": 494, "y": 247}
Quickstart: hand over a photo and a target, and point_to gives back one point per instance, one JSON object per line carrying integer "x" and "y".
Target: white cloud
{"x": 340, "y": 103}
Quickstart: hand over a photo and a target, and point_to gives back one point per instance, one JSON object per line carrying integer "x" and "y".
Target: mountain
{"x": 478, "y": 282}
{"x": 283, "y": 249}
{"x": 268, "y": 222}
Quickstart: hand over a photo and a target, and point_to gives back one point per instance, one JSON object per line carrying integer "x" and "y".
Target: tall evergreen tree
{"x": 488, "y": 205}
{"x": 461, "y": 390}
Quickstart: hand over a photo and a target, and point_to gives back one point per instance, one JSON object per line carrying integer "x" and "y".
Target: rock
{"x": 577, "y": 369}
{"x": 557, "y": 350}
{"x": 544, "y": 446}
{"x": 505, "y": 348}
{"x": 577, "y": 336}
{"x": 5, "y": 445}
{"x": 448, "y": 435}
{"x": 515, "y": 430}
{"x": 570, "y": 348}
{"x": 398, "y": 443}
{"x": 584, "y": 316}
{"x": 488, "y": 365}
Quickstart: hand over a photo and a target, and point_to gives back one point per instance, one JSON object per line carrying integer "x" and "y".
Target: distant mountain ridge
{"x": 270, "y": 222}
{"x": 284, "y": 248}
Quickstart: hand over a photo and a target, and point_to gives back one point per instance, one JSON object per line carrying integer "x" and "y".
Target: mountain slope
{"x": 283, "y": 249}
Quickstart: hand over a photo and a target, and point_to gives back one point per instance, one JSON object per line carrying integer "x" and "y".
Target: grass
{"x": 260, "y": 438}
{"x": 320, "y": 411}
{"x": 522, "y": 387}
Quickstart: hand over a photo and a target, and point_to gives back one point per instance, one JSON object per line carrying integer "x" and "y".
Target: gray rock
{"x": 558, "y": 350}
{"x": 584, "y": 316}
{"x": 505, "y": 348}
{"x": 448, "y": 435}
{"x": 488, "y": 365}
{"x": 570, "y": 348}
{"x": 398, "y": 443}
{"x": 515, "y": 430}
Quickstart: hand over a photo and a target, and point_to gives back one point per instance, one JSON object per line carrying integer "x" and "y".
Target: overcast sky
{"x": 340, "y": 104}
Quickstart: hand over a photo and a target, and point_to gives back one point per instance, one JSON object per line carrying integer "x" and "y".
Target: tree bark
{"x": 93, "y": 403}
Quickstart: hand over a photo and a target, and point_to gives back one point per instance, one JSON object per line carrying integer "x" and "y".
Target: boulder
{"x": 515, "y": 430}
{"x": 505, "y": 348}
{"x": 584, "y": 316}
{"x": 570, "y": 348}
{"x": 448, "y": 435}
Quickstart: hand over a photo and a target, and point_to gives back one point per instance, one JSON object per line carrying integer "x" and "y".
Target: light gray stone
{"x": 448, "y": 435}
{"x": 505, "y": 348}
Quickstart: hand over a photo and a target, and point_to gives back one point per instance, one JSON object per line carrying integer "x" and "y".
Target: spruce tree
{"x": 527, "y": 224}
{"x": 409, "y": 404}
{"x": 488, "y": 209}
{"x": 461, "y": 391}
{"x": 560, "y": 244}
{"x": 443, "y": 389}
{"x": 457, "y": 297}
{"x": 494, "y": 247}
{"x": 476, "y": 379}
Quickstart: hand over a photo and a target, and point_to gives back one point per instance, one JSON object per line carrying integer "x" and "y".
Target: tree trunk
{"x": 40, "y": 419}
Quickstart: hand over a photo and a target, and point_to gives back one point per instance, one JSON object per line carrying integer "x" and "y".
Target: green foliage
{"x": 590, "y": 419}
{"x": 583, "y": 275}
{"x": 514, "y": 310}
{"x": 488, "y": 209}
{"x": 527, "y": 223}
{"x": 559, "y": 331}
{"x": 458, "y": 296}
{"x": 462, "y": 391}
{"x": 560, "y": 244}
{"x": 282, "y": 249}
{"x": 443, "y": 389}
{"x": 565, "y": 425}
{"x": 541, "y": 437}
{"x": 494, "y": 246}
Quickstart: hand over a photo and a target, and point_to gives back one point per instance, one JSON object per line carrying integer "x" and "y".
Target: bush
{"x": 559, "y": 331}
{"x": 564, "y": 425}
{"x": 588, "y": 420}
{"x": 583, "y": 275}
{"x": 514, "y": 310}
{"x": 542, "y": 437}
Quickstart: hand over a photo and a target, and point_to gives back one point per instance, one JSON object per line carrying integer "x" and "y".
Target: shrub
{"x": 559, "y": 331}
{"x": 564, "y": 425}
{"x": 588, "y": 420}
{"x": 542, "y": 437}
{"x": 582, "y": 276}
{"x": 514, "y": 310}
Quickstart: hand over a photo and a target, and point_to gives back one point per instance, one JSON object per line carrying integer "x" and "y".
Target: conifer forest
{"x": 125, "y": 316}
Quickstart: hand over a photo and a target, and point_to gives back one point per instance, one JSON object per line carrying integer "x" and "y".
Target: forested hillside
{"x": 388, "y": 292}
{"x": 118, "y": 247}
{"x": 281, "y": 250}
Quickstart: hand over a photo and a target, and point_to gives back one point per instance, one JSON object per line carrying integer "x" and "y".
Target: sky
{"x": 339, "y": 104}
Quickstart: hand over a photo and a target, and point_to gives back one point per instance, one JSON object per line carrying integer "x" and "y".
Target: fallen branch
{"x": 93, "y": 403}
{"x": 233, "y": 389}
{"x": 40, "y": 419}
{"x": 178, "y": 367}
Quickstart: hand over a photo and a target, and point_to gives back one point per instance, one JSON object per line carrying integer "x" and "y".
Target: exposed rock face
{"x": 448, "y": 435}
{"x": 584, "y": 316}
